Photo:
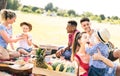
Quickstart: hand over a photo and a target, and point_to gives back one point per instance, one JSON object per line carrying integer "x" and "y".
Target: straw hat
{"x": 103, "y": 34}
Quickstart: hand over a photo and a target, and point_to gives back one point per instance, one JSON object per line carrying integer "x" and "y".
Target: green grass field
{"x": 52, "y": 30}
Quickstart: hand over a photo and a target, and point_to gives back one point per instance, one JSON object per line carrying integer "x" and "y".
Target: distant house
{"x": 49, "y": 14}
{"x": 53, "y": 14}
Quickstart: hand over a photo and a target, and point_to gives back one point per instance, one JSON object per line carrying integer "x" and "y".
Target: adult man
{"x": 113, "y": 55}
{"x": 72, "y": 30}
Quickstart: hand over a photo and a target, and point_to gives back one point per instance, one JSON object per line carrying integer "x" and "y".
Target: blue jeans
{"x": 28, "y": 50}
{"x": 96, "y": 71}
{"x": 67, "y": 53}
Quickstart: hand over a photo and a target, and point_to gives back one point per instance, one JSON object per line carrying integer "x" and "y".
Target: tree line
{"x": 50, "y": 10}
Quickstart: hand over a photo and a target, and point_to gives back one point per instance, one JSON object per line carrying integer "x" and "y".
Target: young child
{"x": 97, "y": 67}
{"x": 24, "y": 45}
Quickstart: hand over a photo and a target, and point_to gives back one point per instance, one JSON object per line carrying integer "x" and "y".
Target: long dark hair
{"x": 76, "y": 44}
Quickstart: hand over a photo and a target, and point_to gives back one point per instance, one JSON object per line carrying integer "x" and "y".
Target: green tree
{"x": 39, "y": 11}
{"x": 99, "y": 19}
{"x": 87, "y": 14}
{"x": 94, "y": 17}
{"x": 66, "y": 15}
{"x": 102, "y": 17}
{"x": 3, "y": 4}
{"x": 55, "y": 9}
{"x": 109, "y": 17}
{"x": 115, "y": 17}
{"x": 61, "y": 12}
{"x": 25, "y": 9}
{"x": 49, "y": 6}
{"x": 71, "y": 12}
{"x": 34, "y": 9}
{"x": 13, "y": 4}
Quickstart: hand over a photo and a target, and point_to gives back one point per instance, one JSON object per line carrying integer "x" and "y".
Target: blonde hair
{"x": 5, "y": 14}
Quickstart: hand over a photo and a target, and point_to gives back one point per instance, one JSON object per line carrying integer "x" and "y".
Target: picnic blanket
{"x": 4, "y": 74}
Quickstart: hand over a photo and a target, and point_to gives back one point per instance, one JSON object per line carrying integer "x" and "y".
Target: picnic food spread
{"x": 45, "y": 64}
{"x": 52, "y": 64}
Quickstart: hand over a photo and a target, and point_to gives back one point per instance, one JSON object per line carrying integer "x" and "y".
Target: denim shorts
{"x": 28, "y": 50}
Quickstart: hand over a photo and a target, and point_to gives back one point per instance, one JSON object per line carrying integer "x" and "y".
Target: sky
{"x": 106, "y": 7}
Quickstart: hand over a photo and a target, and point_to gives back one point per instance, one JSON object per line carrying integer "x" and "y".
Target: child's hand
{"x": 97, "y": 56}
{"x": 25, "y": 36}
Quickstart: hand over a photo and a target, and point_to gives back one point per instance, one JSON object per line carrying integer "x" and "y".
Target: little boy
{"x": 97, "y": 67}
{"x": 24, "y": 45}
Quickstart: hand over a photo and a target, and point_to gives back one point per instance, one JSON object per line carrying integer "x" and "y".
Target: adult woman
{"x": 7, "y": 17}
{"x": 81, "y": 56}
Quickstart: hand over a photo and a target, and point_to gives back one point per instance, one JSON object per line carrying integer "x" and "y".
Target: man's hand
{"x": 116, "y": 53}
{"x": 59, "y": 52}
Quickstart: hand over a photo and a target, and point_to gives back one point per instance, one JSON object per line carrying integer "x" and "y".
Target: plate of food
{"x": 21, "y": 65}
{"x": 26, "y": 66}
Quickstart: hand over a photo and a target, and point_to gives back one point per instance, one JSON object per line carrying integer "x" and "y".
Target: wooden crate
{"x": 41, "y": 72}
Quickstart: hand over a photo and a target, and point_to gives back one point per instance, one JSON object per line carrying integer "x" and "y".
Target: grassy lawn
{"x": 52, "y": 30}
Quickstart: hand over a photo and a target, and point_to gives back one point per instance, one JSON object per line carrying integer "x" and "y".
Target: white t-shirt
{"x": 92, "y": 38}
{"x": 23, "y": 43}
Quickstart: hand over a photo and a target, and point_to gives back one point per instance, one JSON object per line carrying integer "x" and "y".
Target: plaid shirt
{"x": 104, "y": 51}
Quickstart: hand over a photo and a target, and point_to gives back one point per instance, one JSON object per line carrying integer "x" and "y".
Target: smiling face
{"x": 11, "y": 21}
{"x": 70, "y": 28}
{"x": 25, "y": 28}
{"x": 86, "y": 26}
{"x": 7, "y": 16}
{"x": 84, "y": 39}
